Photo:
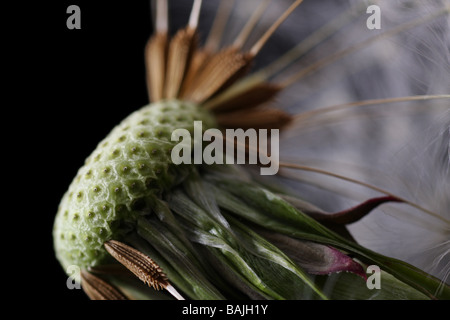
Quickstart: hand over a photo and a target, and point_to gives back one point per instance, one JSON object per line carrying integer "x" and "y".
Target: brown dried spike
{"x": 141, "y": 265}
{"x": 155, "y": 59}
{"x": 198, "y": 61}
{"x": 251, "y": 97}
{"x": 98, "y": 289}
{"x": 259, "y": 118}
{"x": 181, "y": 48}
{"x": 221, "y": 70}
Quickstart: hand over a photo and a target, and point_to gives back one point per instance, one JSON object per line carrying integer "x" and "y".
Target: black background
{"x": 71, "y": 88}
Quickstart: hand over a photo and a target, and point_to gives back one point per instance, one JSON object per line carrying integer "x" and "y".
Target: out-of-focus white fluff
{"x": 401, "y": 147}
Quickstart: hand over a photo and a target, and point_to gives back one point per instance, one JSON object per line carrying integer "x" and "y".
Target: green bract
{"x": 120, "y": 179}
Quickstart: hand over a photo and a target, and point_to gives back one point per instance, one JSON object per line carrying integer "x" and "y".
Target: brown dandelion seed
{"x": 98, "y": 289}
{"x": 141, "y": 266}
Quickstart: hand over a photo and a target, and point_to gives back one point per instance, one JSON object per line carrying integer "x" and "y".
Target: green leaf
{"x": 179, "y": 258}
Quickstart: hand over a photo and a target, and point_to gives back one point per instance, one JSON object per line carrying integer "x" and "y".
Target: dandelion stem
{"x": 195, "y": 14}
{"x": 174, "y": 292}
{"x": 162, "y": 20}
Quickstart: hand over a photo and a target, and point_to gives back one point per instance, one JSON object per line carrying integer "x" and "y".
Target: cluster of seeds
{"x": 120, "y": 179}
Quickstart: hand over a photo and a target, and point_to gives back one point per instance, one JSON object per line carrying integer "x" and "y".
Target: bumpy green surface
{"x": 120, "y": 179}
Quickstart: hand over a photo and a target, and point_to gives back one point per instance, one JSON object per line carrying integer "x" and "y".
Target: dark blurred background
{"x": 79, "y": 85}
